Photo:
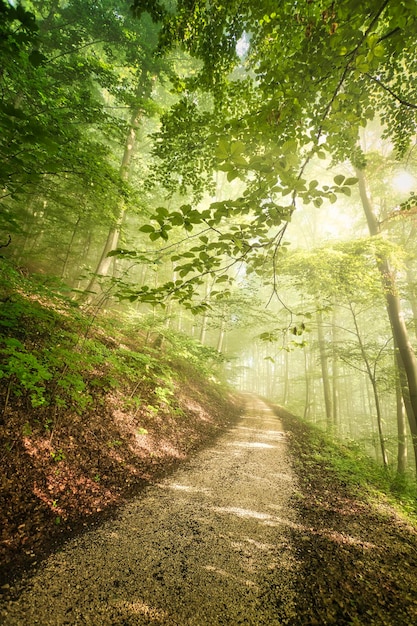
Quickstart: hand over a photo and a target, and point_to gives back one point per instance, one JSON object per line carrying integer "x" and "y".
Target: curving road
{"x": 207, "y": 546}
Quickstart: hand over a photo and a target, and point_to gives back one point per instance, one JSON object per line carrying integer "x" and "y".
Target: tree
{"x": 266, "y": 122}
{"x": 67, "y": 82}
{"x": 313, "y": 76}
{"x": 406, "y": 358}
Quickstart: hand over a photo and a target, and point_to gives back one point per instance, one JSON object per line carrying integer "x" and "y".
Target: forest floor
{"x": 93, "y": 407}
{"x": 357, "y": 555}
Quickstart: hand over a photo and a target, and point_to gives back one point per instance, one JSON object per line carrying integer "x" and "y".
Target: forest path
{"x": 207, "y": 546}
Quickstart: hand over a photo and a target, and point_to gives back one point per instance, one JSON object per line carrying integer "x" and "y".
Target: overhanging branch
{"x": 405, "y": 103}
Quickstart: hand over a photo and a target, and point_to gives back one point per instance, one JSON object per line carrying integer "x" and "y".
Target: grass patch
{"x": 355, "y": 469}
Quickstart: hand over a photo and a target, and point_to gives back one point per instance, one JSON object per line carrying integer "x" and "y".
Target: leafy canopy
{"x": 277, "y": 87}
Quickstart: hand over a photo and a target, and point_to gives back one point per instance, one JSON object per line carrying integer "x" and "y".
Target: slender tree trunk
{"x": 69, "y": 247}
{"x": 307, "y": 401}
{"x": 204, "y": 322}
{"x": 222, "y": 333}
{"x": 324, "y": 363}
{"x": 285, "y": 396}
{"x": 406, "y": 358}
{"x": 113, "y": 236}
{"x": 402, "y": 430}
{"x": 379, "y": 423}
{"x": 335, "y": 374}
{"x": 372, "y": 378}
{"x": 169, "y": 317}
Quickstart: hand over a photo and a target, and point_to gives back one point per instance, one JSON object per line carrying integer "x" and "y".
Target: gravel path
{"x": 207, "y": 546}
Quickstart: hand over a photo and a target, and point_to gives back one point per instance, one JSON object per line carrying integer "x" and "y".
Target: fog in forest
{"x": 227, "y": 184}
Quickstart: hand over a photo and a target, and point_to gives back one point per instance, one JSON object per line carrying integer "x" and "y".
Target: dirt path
{"x": 207, "y": 546}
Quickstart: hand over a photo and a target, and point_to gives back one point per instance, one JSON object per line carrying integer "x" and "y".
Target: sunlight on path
{"x": 207, "y": 546}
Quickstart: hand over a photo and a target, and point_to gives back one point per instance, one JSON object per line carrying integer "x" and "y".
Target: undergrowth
{"x": 55, "y": 358}
{"x": 354, "y": 468}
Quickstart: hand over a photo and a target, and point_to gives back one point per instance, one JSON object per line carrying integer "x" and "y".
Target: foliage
{"x": 72, "y": 73}
{"x": 312, "y": 77}
{"x": 51, "y": 357}
{"x": 179, "y": 348}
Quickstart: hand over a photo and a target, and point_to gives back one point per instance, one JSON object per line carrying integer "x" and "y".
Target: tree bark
{"x": 324, "y": 363}
{"x": 222, "y": 332}
{"x": 204, "y": 322}
{"x": 402, "y": 430}
{"x": 335, "y": 374}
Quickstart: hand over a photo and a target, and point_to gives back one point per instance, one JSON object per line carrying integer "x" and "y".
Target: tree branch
{"x": 410, "y": 105}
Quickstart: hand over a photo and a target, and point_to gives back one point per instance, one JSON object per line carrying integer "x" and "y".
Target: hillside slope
{"x": 89, "y": 415}
{"x": 355, "y": 544}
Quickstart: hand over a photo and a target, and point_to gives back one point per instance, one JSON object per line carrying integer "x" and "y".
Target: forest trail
{"x": 207, "y": 546}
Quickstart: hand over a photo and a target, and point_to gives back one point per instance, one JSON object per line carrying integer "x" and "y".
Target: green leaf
{"x": 222, "y": 150}
{"x": 232, "y": 175}
{"x": 339, "y": 179}
{"x": 236, "y": 149}
{"x": 351, "y": 181}
{"x": 238, "y": 160}
{"x": 36, "y": 58}
{"x": 147, "y": 229}
{"x": 379, "y": 51}
{"x": 176, "y": 219}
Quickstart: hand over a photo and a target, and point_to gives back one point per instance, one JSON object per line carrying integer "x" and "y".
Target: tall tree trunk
{"x": 69, "y": 248}
{"x": 307, "y": 401}
{"x": 406, "y": 359}
{"x": 402, "y": 430}
{"x": 286, "y": 393}
{"x": 324, "y": 363}
{"x": 222, "y": 332}
{"x": 335, "y": 374}
{"x": 204, "y": 321}
{"x": 372, "y": 378}
{"x": 113, "y": 236}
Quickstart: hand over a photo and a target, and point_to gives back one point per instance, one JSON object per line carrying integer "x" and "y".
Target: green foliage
{"x": 313, "y": 76}
{"x": 51, "y": 359}
{"x": 345, "y": 271}
{"x": 24, "y": 371}
{"x": 57, "y": 455}
{"x": 38, "y": 351}
{"x": 354, "y": 467}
